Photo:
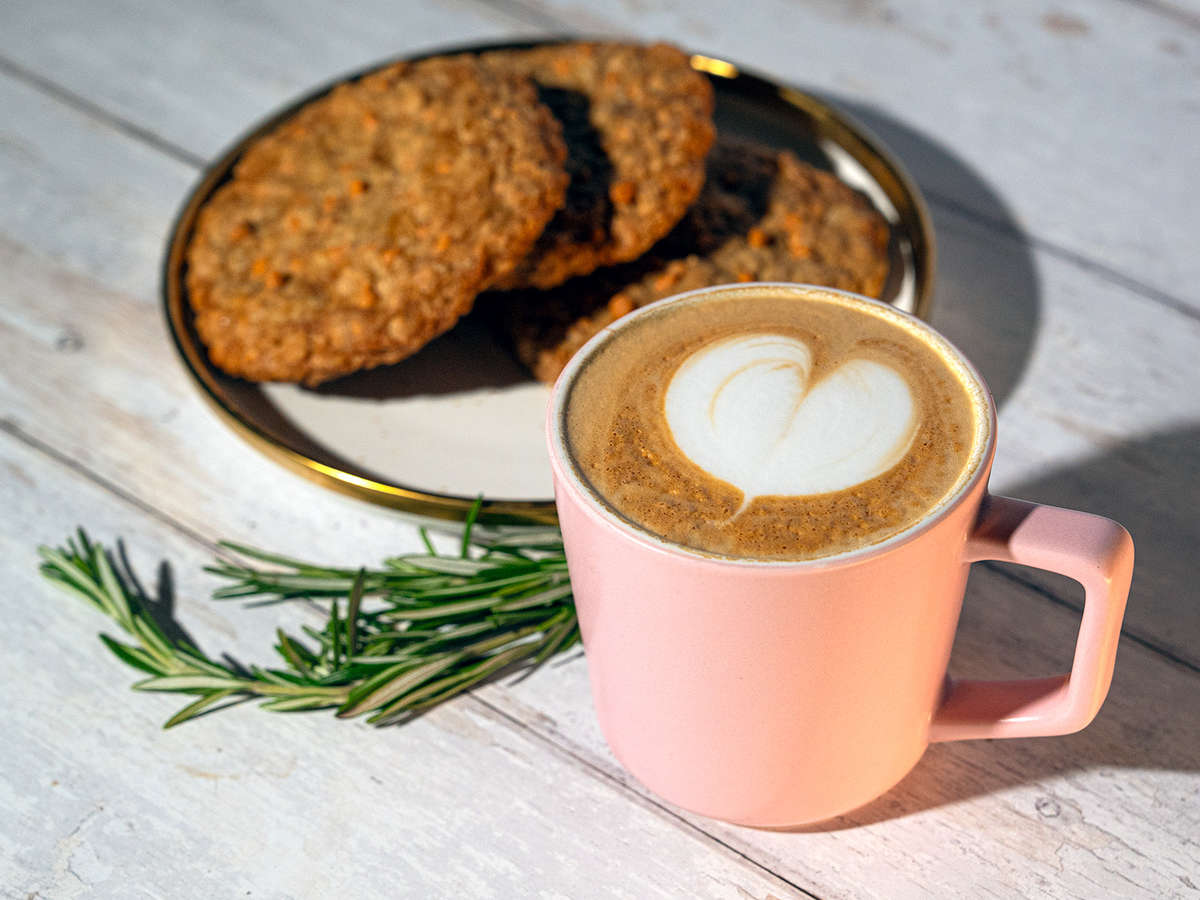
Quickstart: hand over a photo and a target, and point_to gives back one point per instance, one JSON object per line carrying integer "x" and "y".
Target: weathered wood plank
{"x": 142, "y": 426}
{"x": 967, "y": 800}
{"x": 1117, "y": 439}
{"x": 58, "y": 199}
{"x": 1071, "y": 123}
{"x": 1078, "y": 412}
{"x": 99, "y": 801}
{"x": 1101, "y": 415}
{"x": 1109, "y": 812}
{"x": 197, "y": 76}
{"x": 1073, "y": 430}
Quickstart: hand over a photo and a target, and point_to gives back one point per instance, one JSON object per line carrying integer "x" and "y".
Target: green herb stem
{"x": 413, "y": 633}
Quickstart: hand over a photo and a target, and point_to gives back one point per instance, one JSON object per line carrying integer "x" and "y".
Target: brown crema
{"x": 623, "y": 449}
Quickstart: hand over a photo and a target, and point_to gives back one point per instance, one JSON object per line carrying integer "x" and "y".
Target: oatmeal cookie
{"x": 763, "y": 216}
{"x": 366, "y": 224}
{"x": 638, "y": 123}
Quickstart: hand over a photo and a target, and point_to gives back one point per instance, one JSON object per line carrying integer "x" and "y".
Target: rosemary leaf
{"x": 281, "y": 679}
{"x": 469, "y": 525}
{"x": 296, "y": 704}
{"x": 402, "y": 678}
{"x": 132, "y": 656}
{"x": 441, "y": 610}
{"x": 549, "y": 538}
{"x": 117, "y": 600}
{"x": 196, "y": 707}
{"x": 438, "y": 626}
{"x": 424, "y": 533}
{"x": 562, "y": 638}
{"x": 470, "y": 588}
{"x": 299, "y": 658}
{"x": 189, "y": 683}
{"x": 276, "y": 558}
{"x": 451, "y": 565}
{"x": 356, "y": 594}
{"x": 335, "y": 635}
{"x": 541, "y": 598}
{"x": 445, "y": 688}
{"x": 320, "y": 637}
{"x": 151, "y": 638}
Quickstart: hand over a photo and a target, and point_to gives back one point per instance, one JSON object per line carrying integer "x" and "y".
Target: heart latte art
{"x": 772, "y": 423}
{"x": 745, "y": 410}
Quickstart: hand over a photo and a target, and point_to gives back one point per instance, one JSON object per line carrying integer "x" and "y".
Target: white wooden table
{"x": 1056, "y": 144}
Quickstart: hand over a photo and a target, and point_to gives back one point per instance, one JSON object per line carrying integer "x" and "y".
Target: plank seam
{"x": 567, "y": 748}
{"x": 1041, "y": 591}
{"x": 13, "y": 430}
{"x": 517, "y": 9}
{"x": 527, "y": 13}
{"x": 1065, "y": 254}
{"x": 82, "y": 104}
{"x": 1170, "y": 11}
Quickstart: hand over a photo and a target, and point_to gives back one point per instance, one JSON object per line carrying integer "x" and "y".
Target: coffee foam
{"x": 744, "y": 410}
{"x": 630, "y": 460}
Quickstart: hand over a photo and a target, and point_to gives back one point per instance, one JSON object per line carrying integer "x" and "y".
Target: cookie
{"x": 638, "y": 123}
{"x": 763, "y": 216}
{"x": 365, "y": 225}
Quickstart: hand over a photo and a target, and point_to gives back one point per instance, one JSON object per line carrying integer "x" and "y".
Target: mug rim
{"x": 567, "y": 475}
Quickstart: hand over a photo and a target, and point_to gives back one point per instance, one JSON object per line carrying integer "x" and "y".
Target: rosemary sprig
{"x": 397, "y": 640}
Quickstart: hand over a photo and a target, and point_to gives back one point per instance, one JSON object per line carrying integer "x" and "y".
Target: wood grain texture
{"x": 58, "y": 199}
{"x": 196, "y": 76}
{"x": 1071, "y": 431}
{"x": 1083, "y": 436}
{"x": 128, "y": 445}
{"x": 1108, "y": 812}
{"x": 512, "y": 792}
{"x": 1069, "y": 123}
{"x": 99, "y": 801}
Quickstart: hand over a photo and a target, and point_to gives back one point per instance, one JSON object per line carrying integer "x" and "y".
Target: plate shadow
{"x": 987, "y": 296}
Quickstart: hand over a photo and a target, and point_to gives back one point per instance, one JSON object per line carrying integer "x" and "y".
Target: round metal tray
{"x": 461, "y": 419}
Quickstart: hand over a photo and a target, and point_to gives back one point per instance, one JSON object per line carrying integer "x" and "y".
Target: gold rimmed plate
{"x": 461, "y": 418}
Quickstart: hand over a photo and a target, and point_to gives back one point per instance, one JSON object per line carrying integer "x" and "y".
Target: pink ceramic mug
{"x": 782, "y": 693}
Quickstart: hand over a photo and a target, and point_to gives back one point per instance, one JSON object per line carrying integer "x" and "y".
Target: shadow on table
{"x": 159, "y": 603}
{"x": 986, "y": 296}
{"x": 1152, "y": 486}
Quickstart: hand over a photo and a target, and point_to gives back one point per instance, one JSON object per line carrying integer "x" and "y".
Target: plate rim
{"x": 887, "y": 171}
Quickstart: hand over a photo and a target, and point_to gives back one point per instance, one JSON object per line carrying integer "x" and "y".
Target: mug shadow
{"x": 1152, "y": 486}
{"x": 987, "y": 295}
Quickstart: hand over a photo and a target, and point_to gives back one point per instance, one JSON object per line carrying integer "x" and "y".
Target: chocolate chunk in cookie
{"x": 763, "y": 216}
{"x": 638, "y": 123}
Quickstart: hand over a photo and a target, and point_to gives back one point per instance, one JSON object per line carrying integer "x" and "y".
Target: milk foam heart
{"x": 852, "y": 419}
{"x": 743, "y": 409}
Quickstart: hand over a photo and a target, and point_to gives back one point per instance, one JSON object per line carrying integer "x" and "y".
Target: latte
{"x": 774, "y": 422}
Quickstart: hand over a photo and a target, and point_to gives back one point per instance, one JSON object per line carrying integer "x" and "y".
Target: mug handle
{"x": 1096, "y": 552}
